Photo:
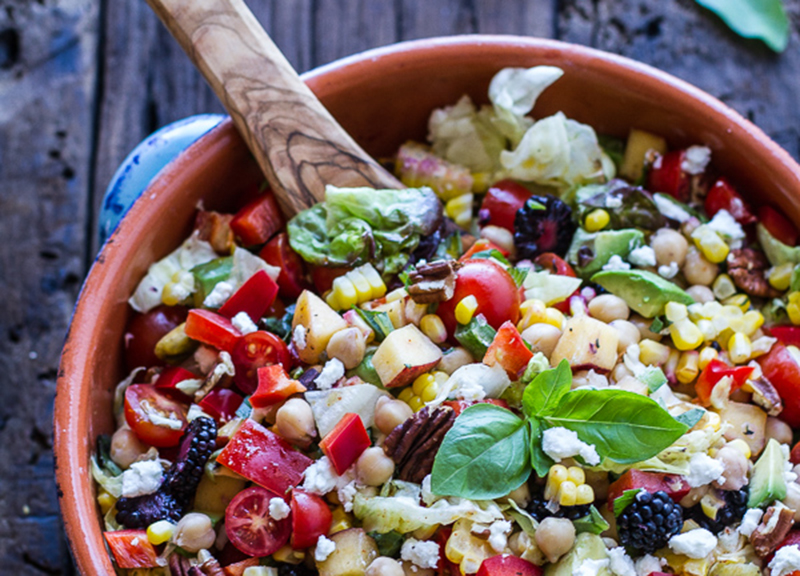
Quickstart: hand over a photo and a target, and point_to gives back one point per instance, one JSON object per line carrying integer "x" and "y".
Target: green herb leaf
{"x": 593, "y": 522}
{"x": 518, "y": 275}
{"x": 691, "y": 417}
{"x": 623, "y": 426}
{"x": 540, "y": 461}
{"x": 541, "y": 397}
{"x": 762, "y": 19}
{"x": 483, "y": 456}
{"x": 527, "y": 522}
{"x": 378, "y": 321}
{"x": 657, "y": 325}
{"x": 388, "y": 544}
{"x": 622, "y": 501}
{"x": 476, "y": 336}
{"x": 493, "y": 253}
{"x": 405, "y": 276}
{"x": 245, "y": 409}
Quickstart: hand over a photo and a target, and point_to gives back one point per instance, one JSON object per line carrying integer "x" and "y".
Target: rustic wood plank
{"x": 46, "y": 49}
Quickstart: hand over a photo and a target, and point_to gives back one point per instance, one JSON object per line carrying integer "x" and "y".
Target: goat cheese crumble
{"x": 703, "y": 469}
{"x": 422, "y": 554}
{"x": 331, "y": 372}
{"x": 278, "y": 509}
{"x": 696, "y": 159}
{"x": 642, "y": 256}
{"x": 785, "y": 561}
{"x": 243, "y": 323}
{"x": 219, "y": 295}
{"x": 497, "y": 535}
{"x": 325, "y": 548}
{"x": 560, "y": 443}
{"x": 141, "y": 478}
{"x": 616, "y": 263}
{"x": 697, "y": 543}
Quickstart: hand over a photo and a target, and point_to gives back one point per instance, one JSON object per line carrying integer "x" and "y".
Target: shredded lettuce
{"x": 110, "y": 483}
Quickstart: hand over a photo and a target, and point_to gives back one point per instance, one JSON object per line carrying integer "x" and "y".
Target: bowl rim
{"x": 78, "y": 507}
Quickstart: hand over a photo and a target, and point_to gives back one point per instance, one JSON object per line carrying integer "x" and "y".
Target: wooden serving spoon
{"x": 297, "y": 143}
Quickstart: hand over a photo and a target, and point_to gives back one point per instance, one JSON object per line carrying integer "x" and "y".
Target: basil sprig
{"x": 491, "y": 451}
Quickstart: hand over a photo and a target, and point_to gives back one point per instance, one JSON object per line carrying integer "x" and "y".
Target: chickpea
{"x": 792, "y": 499}
{"x": 349, "y": 346}
{"x": 700, "y": 294}
{"x": 628, "y": 334}
{"x": 390, "y": 414}
{"x": 295, "y": 421}
{"x": 608, "y": 307}
{"x": 521, "y": 496}
{"x": 455, "y": 359}
{"x": 542, "y": 337}
{"x": 411, "y": 569}
{"x": 620, "y": 372}
{"x": 643, "y": 325}
{"x": 736, "y": 468}
{"x": 374, "y": 467}
{"x": 555, "y": 537}
{"x": 669, "y": 246}
{"x": 779, "y": 430}
{"x": 194, "y": 532}
{"x": 384, "y": 566}
{"x": 126, "y": 448}
{"x": 698, "y": 270}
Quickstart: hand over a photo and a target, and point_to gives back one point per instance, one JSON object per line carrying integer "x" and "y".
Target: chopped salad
{"x": 554, "y": 352}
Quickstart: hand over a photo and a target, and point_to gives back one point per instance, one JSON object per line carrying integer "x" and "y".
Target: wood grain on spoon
{"x": 297, "y": 143}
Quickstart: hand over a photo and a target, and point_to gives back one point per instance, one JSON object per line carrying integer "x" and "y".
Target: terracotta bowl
{"x": 382, "y": 97}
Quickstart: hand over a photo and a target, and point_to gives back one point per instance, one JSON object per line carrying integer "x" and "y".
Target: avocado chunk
{"x": 589, "y": 252}
{"x": 645, "y": 292}
{"x": 767, "y": 483}
{"x": 587, "y": 546}
{"x": 777, "y": 252}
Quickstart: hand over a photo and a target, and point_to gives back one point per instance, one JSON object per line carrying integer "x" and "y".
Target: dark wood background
{"x": 83, "y": 81}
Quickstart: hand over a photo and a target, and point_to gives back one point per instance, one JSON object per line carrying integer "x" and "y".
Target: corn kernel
{"x": 739, "y": 348}
{"x": 576, "y": 475}
{"x": 459, "y": 209}
{"x": 554, "y": 317}
{"x": 416, "y": 403}
{"x": 793, "y": 309}
{"x": 723, "y": 287}
{"x": 260, "y": 571}
{"x": 421, "y": 382}
{"x": 741, "y": 301}
{"x": 340, "y": 520}
{"x": 711, "y": 504}
{"x": 288, "y": 555}
{"x": 706, "y": 328}
{"x": 688, "y": 369}
{"x": 685, "y": 335}
{"x": 596, "y": 220}
{"x": 713, "y": 421}
{"x": 361, "y": 284}
{"x": 430, "y": 392}
{"x": 406, "y": 394}
{"x": 567, "y": 493}
{"x": 741, "y": 446}
{"x": 780, "y": 277}
{"x": 653, "y": 353}
{"x": 585, "y": 495}
{"x": 695, "y": 311}
{"x": 106, "y": 501}
{"x": 433, "y": 327}
{"x": 465, "y": 309}
{"x": 555, "y": 477}
{"x": 440, "y": 376}
{"x": 343, "y": 294}
{"x": 396, "y": 294}
{"x": 707, "y": 354}
{"x": 533, "y": 312}
{"x": 160, "y": 532}
{"x": 675, "y": 311}
{"x": 375, "y": 281}
{"x": 751, "y": 321}
{"x": 710, "y": 244}
{"x": 481, "y": 181}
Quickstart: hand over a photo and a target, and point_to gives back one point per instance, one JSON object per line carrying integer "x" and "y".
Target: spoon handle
{"x": 298, "y": 144}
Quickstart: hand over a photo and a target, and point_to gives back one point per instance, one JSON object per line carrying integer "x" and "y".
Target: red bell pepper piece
{"x": 675, "y": 486}
{"x": 509, "y": 350}
{"x": 459, "y": 406}
{"x": 481, "y": 245}
{"x": 781, "y": 368}
{"x": 501, "y": 204}
{"x": 715, "y": 371}
{"x": 221, "y": 404}
{"x": 274, "y": 385}
{"x": 254, "y": 297}
{"x": 131, "y": 549}
{"x": 212, "y": 329}
{"x": 264, "y": 458}
{"x": 292, "y": 279}
{"x": 777, "y": 225}
{"x": 345, "y": 443}
{"x": 258, "y": 221}
{"x": 169, "y": 379}
{"x": 787, "y": 335}
{"x": 667, "y": 175}
{"x": 723, "y": 196}
{"x": 508, "y": 565}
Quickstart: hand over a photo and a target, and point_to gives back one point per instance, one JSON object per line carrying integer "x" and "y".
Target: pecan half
{"x": 215, "y": 228}
{"x": 414, "y": 443}
{"x": 433, "y": 282}
{"x": 766, "y": 396}
{"x": 774, "y": 527}
{"x": 746, "y": 267}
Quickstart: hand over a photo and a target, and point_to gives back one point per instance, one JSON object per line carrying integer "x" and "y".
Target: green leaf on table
{"x": 626, "y": 498}
{"x": 622, "y": 426}
{"x": 540, "y": 461}
{"x": 542, "y": 395}
{"x": 762, "y": 19}
{"x": 483, "y": 456}
{"x": 593, "y": 522}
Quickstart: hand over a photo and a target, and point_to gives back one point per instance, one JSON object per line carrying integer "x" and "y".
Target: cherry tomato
{"x": 501, "y": 203}
{"x": 481, "y": 245}
{"x": 777, "y": 225}
{"x": 781, "y": 368}
{"x": 147, "y": 409}
{"x": 249, "y": 525}
{"x": 258, "y": 220}
{"x": 554, "y": 264}
{"x": 667, "y": 175}
{"x": 292, "y": 280}
{"x": 311, "y": 518}
{"x": 788, "y": 335}
{"x": 497, "y": 294}
{"x": 253, "y": 351}
{"x": 145, "y": 330}
{"x": 323, "y": 276}
{"x": 508, "y": 565}
{"x": 723, "y": 196}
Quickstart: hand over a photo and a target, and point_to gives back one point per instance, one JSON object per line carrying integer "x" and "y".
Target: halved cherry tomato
{"x": 145, "y": 330}
{"x": 254, "y": 351}
{"x": 311, "y": 518}
{"x": 346, "y": 442}
{"x": 508, "y": 565}
{"x": 254, "y": 297}
{"x": 274, "y": 385}
{"x": 249, "y": 525}
{"x": 777, "y": 225}
{"x": 497, "y": 294}
{"x": 258, "y": 220}
{"x": 278, "y": 252}
{"x": 211, "y": 328}
{"x": 667, "y": 175}
{"x": 788, "y": 335}
{"x": 154, "y": 417}
{"x": 169, "y": 379}
{"x": 781, "y": 368}
{"x": 715, "y": 371}
{"x": 481, "y": 245}
{"x": 794, "y": 455}
{"x": 723, "y": 196}
{"x": 554, "y": 264}
{"x": 509, "y": 350}
{"x": 459, "y": 406}
{"x": 131, "y": 549}
{"x": 221, "y": 404}
{"x": 501, "y": 204}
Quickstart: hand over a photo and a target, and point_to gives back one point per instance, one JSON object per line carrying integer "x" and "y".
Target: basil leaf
{"x": 762, "y": 19}
{"x": 623, "y": 426}
{"x": 518, "y": 275}
{"x": 492, "y": 253}
{"x": 691, "y": 417}
{"x": 542, "y": 395}
{"x": 388, "y": 544}
{"x": 476, "y": 336}
{"x": 593, "y": 522}
{"x": 483, "y": 456}
{"x": 540, "y": 461}
{"x": 378, "y": 321}
{"x": 622, "y": 501}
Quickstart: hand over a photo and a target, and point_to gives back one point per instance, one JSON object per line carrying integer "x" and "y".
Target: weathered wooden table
{"x": 82, "y": 82}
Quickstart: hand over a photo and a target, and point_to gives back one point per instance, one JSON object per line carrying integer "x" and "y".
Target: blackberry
{"x": 538, "y": 230}
{"x": 295, "y": 570}
{"x": 731, "y": 512}
{"x": 179, "y": 484}
{"x": 648, "y": 522}
{"x": 538, "y": 509}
